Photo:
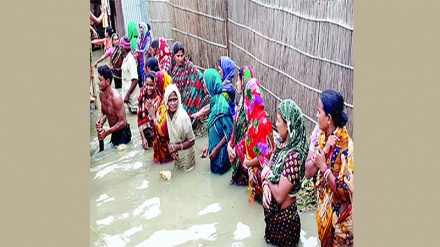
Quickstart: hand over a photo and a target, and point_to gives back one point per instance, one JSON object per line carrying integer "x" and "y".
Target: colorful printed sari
{"x": 144, "y": 121}
{"x": 283, "y": 226}
{"x": 335, "y": 228}
{"x": 116, "y": 60}
{"x": 160, "y": 130}
{"x": 219, "y": 122}
{"x": 143, "y": 45}
{"x": 239, "y": 174}
{"x": 189, "y": 81}
{"x": 164, "y": 57}
{"x": 259, "y": 142}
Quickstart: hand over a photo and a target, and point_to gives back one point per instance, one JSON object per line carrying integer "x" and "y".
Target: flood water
{"x": 130, "y": 205}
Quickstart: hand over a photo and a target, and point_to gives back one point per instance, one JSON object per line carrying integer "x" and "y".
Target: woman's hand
{"x": 319, "y": 159}
{"x": 252, "y": 177}
{"x": 174, "y": 155}
{"x": 204, "y": 152}
{"x": 349, "y": 180}
{"x": 331, "y": 142}
{"x": 267, "y": 196}
{"x": 231, "y": 153}
{"x": 145, "y": 143}
{"x": 213, "y": 154}
{"x": 265, "y": 173}
{"x": 150, "y": 108}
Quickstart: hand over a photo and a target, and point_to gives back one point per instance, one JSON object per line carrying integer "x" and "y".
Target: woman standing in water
{"x": 189, "y": 81}
{"x": 259, "y": 143}
{"x": 227, "y": 70}
{"x": 182, "y": 136}
{"x": 282, "y": 179}
{"x": 147, "y": 93}
{"x": 235, "y": 148}
{"x": 219, "y": 125}
{"x": 157, "y": 111}
{"x": 329, "y": 166}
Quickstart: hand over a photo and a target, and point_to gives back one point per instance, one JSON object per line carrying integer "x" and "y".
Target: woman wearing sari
{"x": 259, "y": 143}
{"x": 147, "y": 93}
{"x": 157, "y": 112}
{"x": 219, "y": 125}
{"x": 282, "y": 178}
{"x": 227, "y": 70}
{"x": 115, "y": 56}
{"x": 142, "y": 48}
{"x": 181, "y": 134}
{"x": 132, "y": 34}
{"x": 160, "y": 49}
{"x": 235, "y": 148}
{"x": 189, "y": 81}
{"x": 329, "y": 165}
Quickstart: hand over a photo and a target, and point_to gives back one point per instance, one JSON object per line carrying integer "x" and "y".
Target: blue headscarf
{"x": 228, "y": 68}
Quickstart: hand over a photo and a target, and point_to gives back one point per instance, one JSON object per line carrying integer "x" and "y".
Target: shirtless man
{"x": 112, "y": 108}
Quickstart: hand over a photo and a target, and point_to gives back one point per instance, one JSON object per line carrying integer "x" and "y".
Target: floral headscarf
{"x": 296, "y": 141}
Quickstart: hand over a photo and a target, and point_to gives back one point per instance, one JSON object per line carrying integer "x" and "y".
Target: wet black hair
{"x": 105, "y": 72}
{"x": 153, "y": 64}
{"x": 155, "y": 44}
{"x": 333, "y": 104}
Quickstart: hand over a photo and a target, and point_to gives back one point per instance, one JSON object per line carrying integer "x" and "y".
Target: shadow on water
{"x": 130, "y": 205}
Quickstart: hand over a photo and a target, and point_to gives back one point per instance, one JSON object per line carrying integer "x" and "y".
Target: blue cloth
{"x": 220, "y": 123}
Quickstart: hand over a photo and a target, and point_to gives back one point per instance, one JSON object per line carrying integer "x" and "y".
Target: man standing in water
{"x": 130, "y": 90}
{"x": 112, "y": 108}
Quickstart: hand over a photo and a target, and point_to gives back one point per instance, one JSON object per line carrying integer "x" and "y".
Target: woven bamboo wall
{"x": 201, "y": 26}
{"x": 159, "y": 19}
{"x": 297, "y": 48}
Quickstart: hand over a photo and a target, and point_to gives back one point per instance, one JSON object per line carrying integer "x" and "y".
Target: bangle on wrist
{"x": 264, "y": 183}
{"x": 172, "y": 146}
{"x": 249, "y": 169}
{"x": 326, "y": 174}
{"x": 181, "y": 146}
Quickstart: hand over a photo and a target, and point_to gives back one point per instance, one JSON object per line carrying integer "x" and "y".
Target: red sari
{"x": 259, "y": 142}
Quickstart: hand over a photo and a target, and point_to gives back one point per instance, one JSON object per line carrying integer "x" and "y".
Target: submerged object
{"x": 121, "y": 147}
{"x": 165, "y": 175}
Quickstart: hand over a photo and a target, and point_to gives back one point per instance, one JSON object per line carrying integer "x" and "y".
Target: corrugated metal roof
{"x": 134, "y": 10}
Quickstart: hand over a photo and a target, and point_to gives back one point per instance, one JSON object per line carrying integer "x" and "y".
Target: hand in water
{"x": 204, "y": 152}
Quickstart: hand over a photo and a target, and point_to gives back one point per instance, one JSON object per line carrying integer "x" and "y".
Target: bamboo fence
{"x": 297, "y": 49}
